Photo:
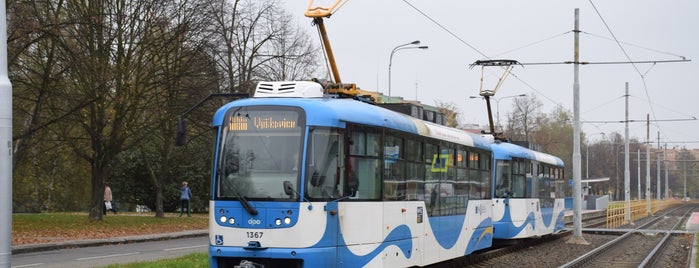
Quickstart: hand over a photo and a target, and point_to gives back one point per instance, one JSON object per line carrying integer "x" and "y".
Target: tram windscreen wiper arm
{"x": 246, "y": 204}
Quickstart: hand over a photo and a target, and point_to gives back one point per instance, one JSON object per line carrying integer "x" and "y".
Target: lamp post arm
{"x": 390, "y": 59}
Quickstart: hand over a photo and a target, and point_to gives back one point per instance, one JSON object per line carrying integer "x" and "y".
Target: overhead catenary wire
{"x": 634, "y": 45}
{"x": 446, "y": 29}
{"x": 654, "y": 62}
{"x": 531, "y": 44}
{"x": 643, "y": 79}
{"x": 483, "y": 54}
{"x": 528, "y": 85}
{"x": 474, "y": 48}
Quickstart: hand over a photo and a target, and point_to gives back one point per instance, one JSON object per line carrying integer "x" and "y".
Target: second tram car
{"x": 528, "y": 192}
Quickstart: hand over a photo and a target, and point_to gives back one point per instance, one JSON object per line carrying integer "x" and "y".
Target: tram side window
{"x": 394, "y": 169}
{"x": 414, "y": 173}
{"x": 430, "y": 158}
{"x": 485, "y": 168}
{"x": 432, "y": 186}
{"x": 545, "y": 182}
{"x": 324, "y": 179}
{"x": 363, "y": 166}
{"x": 560, "y": 183}
{"x": 519, "y": 184}
{"x": 503, "y": 179}
{"x": 539, "y": 180}
{"x": 463, "y": 187}
{"x": 479, "y": 186}
{"x": 551, "y": 182}
{"x": 451, "y": 203}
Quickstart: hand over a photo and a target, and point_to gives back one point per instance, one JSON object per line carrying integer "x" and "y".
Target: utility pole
{"x": 657, "y": 188}
{"x": 5, "y": 146}
{"x": 638, "y": 173}
{"x": 684, "y": 176}
{"x": 627, "y": 172}
{"x": 577, "y": 172}
{"x": 648, "y": 162}
{"x": 667, "y": 186}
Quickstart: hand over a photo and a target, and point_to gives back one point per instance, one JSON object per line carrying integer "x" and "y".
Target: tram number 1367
{"x": 254, "y": 234}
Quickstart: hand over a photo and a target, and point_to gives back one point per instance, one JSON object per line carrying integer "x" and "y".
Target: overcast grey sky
{"x": 363, "y": 33}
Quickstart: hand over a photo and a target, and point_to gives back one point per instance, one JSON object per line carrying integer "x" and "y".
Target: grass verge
{"x": 194, "y": 260}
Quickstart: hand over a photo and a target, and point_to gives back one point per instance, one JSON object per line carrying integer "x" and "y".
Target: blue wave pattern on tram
{"x": 397, "y": 237}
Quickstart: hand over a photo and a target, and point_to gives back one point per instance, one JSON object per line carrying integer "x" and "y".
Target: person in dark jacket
{"x": 185, "y": 195}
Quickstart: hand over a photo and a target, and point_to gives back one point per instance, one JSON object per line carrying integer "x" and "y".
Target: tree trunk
{"x": 100, "y": 175}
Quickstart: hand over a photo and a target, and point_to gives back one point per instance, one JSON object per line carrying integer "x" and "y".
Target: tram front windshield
{"x": 260, "y": 148}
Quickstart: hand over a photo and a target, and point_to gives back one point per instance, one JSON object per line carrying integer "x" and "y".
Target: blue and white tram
{"x": 528, "y": 192}
{"x": 305, "y": 181}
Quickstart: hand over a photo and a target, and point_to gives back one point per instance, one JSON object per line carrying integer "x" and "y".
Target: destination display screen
{"x": 245, "y": 120}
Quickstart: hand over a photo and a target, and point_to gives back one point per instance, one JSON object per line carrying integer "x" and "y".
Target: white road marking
{"x": 180, "y": 248}
{"x": 107, "y": 256}
{"x": 28, "y": 265}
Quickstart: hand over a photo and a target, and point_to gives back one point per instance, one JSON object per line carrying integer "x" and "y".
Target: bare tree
{"x": 523, "y": 119}
{"x": 293, "y": 56}
{"x": 254, "y": 41}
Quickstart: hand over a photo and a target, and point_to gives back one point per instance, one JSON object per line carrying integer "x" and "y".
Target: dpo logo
{"x": 253, "y": 221}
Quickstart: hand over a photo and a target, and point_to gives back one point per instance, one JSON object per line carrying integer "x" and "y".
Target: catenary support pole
{"x": 627, "y": 172}
{"x": 648, "y": 144}
{"x": 5, "y": 146}
{"x": 657, "y": 169}
{"x": 577, "y": 191}
{"x": 667, "y": 187}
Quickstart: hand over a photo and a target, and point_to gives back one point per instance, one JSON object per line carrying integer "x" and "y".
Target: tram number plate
{"x": 254, "y": 234}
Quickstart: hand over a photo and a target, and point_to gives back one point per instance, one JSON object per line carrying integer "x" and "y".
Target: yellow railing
{"x": 616, "y": 211}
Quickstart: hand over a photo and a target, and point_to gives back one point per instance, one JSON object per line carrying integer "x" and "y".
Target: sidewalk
{"x": 19, "y": 249}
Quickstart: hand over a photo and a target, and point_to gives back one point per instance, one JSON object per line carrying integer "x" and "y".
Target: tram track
{"x": 655, "y": 241}
{"x": 640, "y": 247}
{"x": 493, "y": 257}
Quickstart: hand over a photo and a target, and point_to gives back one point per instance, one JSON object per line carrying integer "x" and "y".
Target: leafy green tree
{"x": 42, "y": 162}
{"x": 106, "y": 44}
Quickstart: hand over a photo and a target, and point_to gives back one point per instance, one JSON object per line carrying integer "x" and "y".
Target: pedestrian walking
{"x": 107, "y": 205}
{"x": 185, "y": 195}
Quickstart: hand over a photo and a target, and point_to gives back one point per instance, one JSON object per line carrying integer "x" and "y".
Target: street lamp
{"x": 497, "y": 103}
{"x": 390, "y": 61}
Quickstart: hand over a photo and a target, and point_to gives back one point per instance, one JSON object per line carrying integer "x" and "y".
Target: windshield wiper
{"x": 242, "y": 199}
{"x": 246, "y": 204}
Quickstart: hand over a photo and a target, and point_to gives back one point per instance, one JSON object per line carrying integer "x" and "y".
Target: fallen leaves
{"x": 62, "y": 227}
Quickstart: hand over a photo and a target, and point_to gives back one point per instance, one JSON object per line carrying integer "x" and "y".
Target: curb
{"x": 19, "y": 249}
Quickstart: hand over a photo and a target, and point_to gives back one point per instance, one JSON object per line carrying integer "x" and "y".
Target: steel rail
{"x": 591, "y": 255}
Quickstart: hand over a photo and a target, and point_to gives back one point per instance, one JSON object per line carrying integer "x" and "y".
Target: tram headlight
{"x": 231, "y": 220}
{"x": 278, "y": 222}
{"x": 223, "y": 219}
{"x": 287, "y": 220}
